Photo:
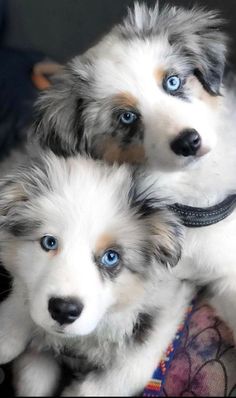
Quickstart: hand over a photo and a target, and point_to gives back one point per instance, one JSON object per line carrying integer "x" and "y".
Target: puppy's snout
{"x": 187, "y": 143}
{"x": 65, "y": 310}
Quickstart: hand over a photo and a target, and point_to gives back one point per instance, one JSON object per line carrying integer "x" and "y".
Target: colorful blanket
{"x": 201, "y": 361}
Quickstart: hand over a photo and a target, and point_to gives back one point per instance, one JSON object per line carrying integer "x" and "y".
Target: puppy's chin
{"x": 78, "y": 329}
{"x": 69, "y": 331}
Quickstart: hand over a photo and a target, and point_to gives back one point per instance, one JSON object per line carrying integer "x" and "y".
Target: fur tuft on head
{"x": 195, "y": 34}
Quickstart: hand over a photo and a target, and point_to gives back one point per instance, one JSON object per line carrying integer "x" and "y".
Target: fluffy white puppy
{"x": 89, "y": 249}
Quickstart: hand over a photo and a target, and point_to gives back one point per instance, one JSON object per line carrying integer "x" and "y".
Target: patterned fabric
{"x": 203, "y": 364}
{"x": 156, "y": 384}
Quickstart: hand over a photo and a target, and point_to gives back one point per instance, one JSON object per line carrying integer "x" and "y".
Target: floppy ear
{"x": 12, "y": 194}
{"x": 58, "y": 120}
{"x": 16, "y": 192}
{"x": 198, "y": 36}
{"x": 12, "y": 201}
{"x": 166, "y": 232}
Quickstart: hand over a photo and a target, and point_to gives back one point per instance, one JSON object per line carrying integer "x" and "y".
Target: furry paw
{"x": 15, "y": 326}
{"x": 36, "y": 375}
{"x": 10, "y": 348}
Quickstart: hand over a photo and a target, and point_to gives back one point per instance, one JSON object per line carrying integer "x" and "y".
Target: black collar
{"x": 195, "y": 217}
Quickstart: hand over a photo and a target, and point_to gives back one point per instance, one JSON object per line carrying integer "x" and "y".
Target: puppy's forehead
{"x": 131, "y": 66}
{"x": 137, "y": 67}
{"x": 86, "y": 198}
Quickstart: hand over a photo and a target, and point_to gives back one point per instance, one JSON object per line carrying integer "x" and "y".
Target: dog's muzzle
{"x": 187, "y": 143}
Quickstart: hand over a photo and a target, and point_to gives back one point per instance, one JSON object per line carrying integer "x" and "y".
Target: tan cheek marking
{"x": 53, "y": 253}
{"x": 112, "y": 152}
{"x": 104, "y": 242}
{"x": 159, "y": 75}
{"x": 134, "y": 154}
{"x": 199, "y": 92}
{"x": 126, "y": 100}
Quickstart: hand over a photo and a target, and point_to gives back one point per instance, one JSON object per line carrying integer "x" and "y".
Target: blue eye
{"x": 49, "y": 243}
{"x": 128, "y": 117}
{"x": 110, "y": 259}
{"x": 173, "y": 83}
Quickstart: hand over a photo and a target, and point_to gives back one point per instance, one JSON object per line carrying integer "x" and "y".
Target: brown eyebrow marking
{"x": 104, "y": 242}
{"x": 126, "y": 100}
{"x": 159, "y": 74}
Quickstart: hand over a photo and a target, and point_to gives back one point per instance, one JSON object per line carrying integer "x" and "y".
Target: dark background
{"x": 63, "y": 28}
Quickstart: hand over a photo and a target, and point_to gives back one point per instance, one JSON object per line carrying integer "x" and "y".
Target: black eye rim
{"x": 107, "y": 252}
{"x": 167, "y": 77}
{"x": 98, "y": 259}
{"x": 42, "y": 243}
{"x": 131, "y": 111}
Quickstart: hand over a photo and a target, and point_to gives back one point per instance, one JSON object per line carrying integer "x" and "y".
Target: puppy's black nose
{"x": 65, "y": 310}
{"x": 187, "y": 143}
